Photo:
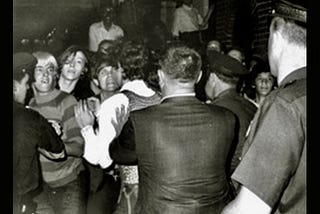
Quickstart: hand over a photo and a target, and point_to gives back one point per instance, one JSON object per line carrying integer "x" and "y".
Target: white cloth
{"x": 97, "y": 33}
{"x": 186, "y": 19}
{"x": 96, "y": 149}
{"x": 138, "y": 87}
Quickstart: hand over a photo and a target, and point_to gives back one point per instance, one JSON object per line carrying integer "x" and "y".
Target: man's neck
{"x": 222, "y": 87}
{"x": 172, "y": 91}
{"x": 67, "y": 85}
{"x": 289, "y": 62}
{"x": 106, "y": 94}
{"x": 107, "y": 26}
{"x": 259, "y": 99}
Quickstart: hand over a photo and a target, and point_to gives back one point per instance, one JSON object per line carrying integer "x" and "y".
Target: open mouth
{"x": 45, "y": 81}
{"x": 71, "y": 71}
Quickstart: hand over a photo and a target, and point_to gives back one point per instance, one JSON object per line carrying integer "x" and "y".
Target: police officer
{"x": 273, "y": 169}
{"x": 225, "y": 75}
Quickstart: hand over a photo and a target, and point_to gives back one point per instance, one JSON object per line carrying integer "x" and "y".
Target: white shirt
{"x": 186, "y": 19}
{"x": 96, "y": 149}
{"x": 97, "y": 33}
{"x": 139, "y": 87}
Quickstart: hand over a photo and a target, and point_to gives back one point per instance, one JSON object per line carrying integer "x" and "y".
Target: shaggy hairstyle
{"x": 181, "y": 63}
{"x": 102, "y": 61}
{"x": 72, "y": 51}
{"x": 43, "y": 59}
{"x": 134, "y": 60}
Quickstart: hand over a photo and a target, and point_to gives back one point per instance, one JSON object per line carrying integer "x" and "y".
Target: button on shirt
{"x": 97, "y": 33}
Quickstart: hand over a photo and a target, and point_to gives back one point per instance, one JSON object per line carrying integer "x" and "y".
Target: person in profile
{"x": 32, "y": 134}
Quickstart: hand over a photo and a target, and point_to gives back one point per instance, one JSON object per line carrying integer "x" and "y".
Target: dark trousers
{"x": 104, "y": 200}
{"x": 70, "y": 198}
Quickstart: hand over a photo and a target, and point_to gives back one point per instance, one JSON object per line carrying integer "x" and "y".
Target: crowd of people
{"x": 130, "y": 126}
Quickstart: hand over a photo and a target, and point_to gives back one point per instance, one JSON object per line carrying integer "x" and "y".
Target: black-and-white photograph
{"x": 159, "y": 107}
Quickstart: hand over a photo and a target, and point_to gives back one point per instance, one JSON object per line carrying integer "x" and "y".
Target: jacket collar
{"x": 300, "y": 73}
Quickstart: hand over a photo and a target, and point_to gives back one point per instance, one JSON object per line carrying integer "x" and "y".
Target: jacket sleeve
{"x": 50, "y": 142}
{"x": 122, "y": 149}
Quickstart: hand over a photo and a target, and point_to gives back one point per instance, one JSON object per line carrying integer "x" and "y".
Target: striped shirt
{"x": 59, "y": 106}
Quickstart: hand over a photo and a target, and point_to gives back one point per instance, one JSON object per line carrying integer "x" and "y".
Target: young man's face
{"x": 110, "y": 78}
{"x": 264, "y": 83}
{"x": 73, "y": 66}
{"x": 45, "y": 77}
{"x": 107, "y": 17}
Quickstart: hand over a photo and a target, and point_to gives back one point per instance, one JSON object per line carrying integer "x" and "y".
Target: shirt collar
{"x": 48, "y": 97}
{"x": 139, "y": 87}
{"x": 186, "y": 7}
{"x": 300, "y": 73}
{"x": 178, "y": 95}
{"x": 228, "y": 91}
{"x": 102, "y": 26}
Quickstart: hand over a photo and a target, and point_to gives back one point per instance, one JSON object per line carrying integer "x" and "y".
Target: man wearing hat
{"x": 272, "y": 171}
{"x": 105, "y": 29}
{"x": 31, "y": 132}
{"x": 224, "y": 78}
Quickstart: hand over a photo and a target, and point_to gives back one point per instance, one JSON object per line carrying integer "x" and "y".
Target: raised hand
{"x": 93, "y": 104}
{"x": 122, "y": 115}
{"x": 84, "y": 116}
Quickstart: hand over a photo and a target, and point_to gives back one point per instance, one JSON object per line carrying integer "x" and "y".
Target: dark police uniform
{"x": 231, "y": 99}
{"x": 274, "y": 166}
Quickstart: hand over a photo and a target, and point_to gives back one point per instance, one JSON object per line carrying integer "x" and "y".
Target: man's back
{"x": 283, "y": 185}
{"x": 181, "y": 147}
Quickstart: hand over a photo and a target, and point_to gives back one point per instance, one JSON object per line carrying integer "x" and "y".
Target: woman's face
{"x": 264, "y": 83}
{"x": 74, "y": 66}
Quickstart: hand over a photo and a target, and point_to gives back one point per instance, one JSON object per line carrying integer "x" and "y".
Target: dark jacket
{"x": 181, "y": 147}
{"x": 244, "y": 110}
{"x": 30, "y": 131}
{"x": 274, "y": 165}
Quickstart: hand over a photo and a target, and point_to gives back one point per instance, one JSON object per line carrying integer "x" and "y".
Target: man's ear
{"x": 161, "y": 76}
{"x": 199, "y": 76}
